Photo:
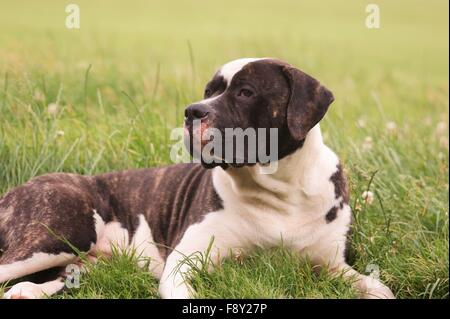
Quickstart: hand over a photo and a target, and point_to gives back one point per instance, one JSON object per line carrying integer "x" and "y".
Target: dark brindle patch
{"x": 340, "y": 184}
{"x": 340, "y": 191}
{"x": 57, "y": 202}
{"x": 170, "y": 198}
{"x": 332, "y": 214}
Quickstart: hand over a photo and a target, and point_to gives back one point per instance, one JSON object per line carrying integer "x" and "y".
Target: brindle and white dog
{"x": 172, "y": 212}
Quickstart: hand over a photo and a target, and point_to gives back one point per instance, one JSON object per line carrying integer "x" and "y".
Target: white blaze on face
{"x": 233, "y": 67}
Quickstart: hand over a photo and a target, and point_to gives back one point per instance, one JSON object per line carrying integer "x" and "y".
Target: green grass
{"x": 122, "y": 81}
{"x": 112, "y": 278}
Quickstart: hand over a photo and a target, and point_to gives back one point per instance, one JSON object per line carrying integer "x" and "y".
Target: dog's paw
{"x": 377, "y": 290}
{"x": 181, "y": 291}
{"x": 24, "y": 290}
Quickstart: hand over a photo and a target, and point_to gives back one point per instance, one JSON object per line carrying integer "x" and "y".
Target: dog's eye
{"x": 245, "y": 92}
{"x": 208, "y": 93}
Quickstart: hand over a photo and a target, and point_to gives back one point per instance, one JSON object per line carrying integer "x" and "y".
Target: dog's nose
{"x": 196, "y": 111}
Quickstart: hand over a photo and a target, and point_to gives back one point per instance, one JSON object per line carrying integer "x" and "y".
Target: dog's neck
{"x": 291, "y": 173}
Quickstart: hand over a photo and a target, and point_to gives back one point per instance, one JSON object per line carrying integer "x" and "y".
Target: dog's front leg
{"x": 329, "y": 252}
{"x": 205, "y": 243}
{"x": 367, "y": 286}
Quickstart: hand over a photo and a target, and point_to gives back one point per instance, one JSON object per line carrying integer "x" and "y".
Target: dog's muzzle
{"x": 197, "y": 111}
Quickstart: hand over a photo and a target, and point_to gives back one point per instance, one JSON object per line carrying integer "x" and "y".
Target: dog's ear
{"x": 308, "y": 102}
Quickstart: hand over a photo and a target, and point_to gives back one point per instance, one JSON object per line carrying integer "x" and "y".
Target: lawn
{"x": 106, "y": 96}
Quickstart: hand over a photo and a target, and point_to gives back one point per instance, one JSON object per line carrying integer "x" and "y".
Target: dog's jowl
{"x": 168, "y": 213}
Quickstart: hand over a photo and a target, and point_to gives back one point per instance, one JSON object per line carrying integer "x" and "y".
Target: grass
{"x": 118, "y": 277}
{"x": 117, "y": 86}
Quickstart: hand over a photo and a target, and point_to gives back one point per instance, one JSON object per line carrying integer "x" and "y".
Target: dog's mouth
{"x": 203, "y": 143}
{"x": 196, "y": 138}
{"x": 197, "y": 132}
{"x": 212, "y": 146}
{"x": 211, "y": 150}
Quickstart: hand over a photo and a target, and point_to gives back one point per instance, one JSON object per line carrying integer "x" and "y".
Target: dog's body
{"x": 172, "y": 212}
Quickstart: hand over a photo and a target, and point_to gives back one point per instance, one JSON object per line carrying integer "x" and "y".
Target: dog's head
{"x": 256, "y": 95}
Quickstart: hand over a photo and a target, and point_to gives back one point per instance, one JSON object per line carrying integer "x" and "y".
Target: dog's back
{"x": 59, "y": 214}
{"x": 171, "y": 198}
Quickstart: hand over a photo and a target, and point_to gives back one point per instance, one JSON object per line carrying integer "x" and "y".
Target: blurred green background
{"x": 126, "y": 43}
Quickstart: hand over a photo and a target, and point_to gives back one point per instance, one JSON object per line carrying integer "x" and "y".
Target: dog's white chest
{"x": 272, "y": 228}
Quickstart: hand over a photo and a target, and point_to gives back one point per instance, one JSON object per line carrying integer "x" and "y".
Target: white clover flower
{"x": 440, "y": 128}
{"x": 443, "y": 142}
{"x": 367, "y": 144}
{"x": 59, "y": 133}
{"x": 391, "y": 126}
{"x": 38, "y": 95}
{"x": 361, "y": 122}
{"x": 368, "y": 197}
{"x": 52, "y": 108}
{"x": 428, "y": 121}
{"x": 239, "y": 256}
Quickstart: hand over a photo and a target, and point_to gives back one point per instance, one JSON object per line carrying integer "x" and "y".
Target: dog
{"x": 170, "y": 213}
